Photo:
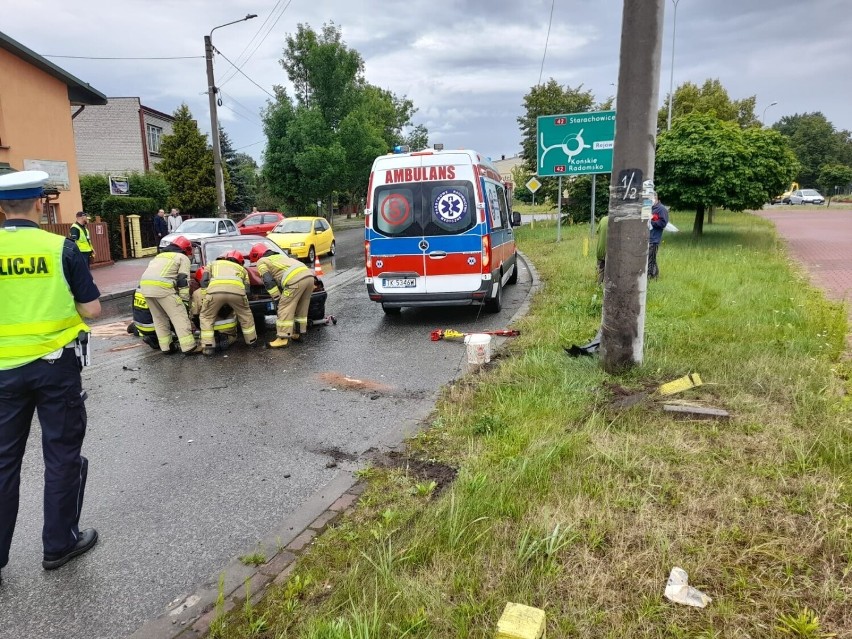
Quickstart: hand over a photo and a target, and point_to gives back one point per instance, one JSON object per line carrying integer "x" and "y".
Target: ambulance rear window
{"x": 427, "y": 208}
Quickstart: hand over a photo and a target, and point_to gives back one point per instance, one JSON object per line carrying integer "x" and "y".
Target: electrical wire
{"x": 243, "y": 73}
{"x": 240, "y": 115}
{"x": 248, "y": 145}
{"x": 247, "y": 111}
{"x": 86, "y": 57}
{"x": 230, "y": 74}
{"x": 262, "y": 40}
{"x": 546, "y": 41}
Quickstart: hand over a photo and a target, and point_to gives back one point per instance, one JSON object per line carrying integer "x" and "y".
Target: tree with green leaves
{"x": 834, "y": 178}
{"x": 548, "y": 99}
{"x": 815, "y": 142}
{"x": 325, "y": 139}
{"x": 242, "y": 176}
{"x": 704, "y": 162}
{"x": 187, "y": 166}
{"x": 711, "y": 98}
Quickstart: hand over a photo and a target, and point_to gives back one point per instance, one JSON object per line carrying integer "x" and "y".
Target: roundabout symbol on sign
{"x": 396, "y": 209}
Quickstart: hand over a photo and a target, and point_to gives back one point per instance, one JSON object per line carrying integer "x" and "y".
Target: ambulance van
{"x": 438, "y": 231}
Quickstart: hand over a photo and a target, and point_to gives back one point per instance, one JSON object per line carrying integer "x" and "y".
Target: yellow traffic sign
{"x": 533, "y": 185}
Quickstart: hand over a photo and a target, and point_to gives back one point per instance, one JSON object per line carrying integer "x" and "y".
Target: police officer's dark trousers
{"x": 55, "y": 390}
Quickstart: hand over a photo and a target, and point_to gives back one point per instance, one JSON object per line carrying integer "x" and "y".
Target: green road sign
{"x": 575, "y": 143}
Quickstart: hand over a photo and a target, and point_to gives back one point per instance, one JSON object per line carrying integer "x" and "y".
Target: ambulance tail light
{"x": 486, "y": 251}
{"x": 367, "y": 259}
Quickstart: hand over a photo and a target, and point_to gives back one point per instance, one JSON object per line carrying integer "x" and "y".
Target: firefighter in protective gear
{"x": 143, "y": 323}
{"x": 165, "y": 285}
{"x": 225, "y": 326}
{"x": 226, "y": 282}
{"x": 289, "y": 282}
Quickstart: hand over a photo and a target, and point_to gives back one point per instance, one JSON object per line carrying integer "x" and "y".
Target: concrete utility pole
{"x": 671, "y": 77}
{"x": 221, "y": 211}
{"x": 625, "y": 278}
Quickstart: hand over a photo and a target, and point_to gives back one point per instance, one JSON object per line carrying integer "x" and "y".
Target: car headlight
{"x": 297, "y": 244}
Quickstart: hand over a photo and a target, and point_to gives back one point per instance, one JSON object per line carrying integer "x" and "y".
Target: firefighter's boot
{"x": 279, "y": 342}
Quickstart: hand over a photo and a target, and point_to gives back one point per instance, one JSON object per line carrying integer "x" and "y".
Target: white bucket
{"x": 478, "y": 349}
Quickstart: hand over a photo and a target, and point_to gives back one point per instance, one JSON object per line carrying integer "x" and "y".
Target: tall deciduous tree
{"x": 187, "y": 165}
{"x": 548, "y": 99}
{"x": 704, "y": 162}
{"x": 326, "y": 139}
{"x": 712, "y": 98}
{"x": 815, "y": 142}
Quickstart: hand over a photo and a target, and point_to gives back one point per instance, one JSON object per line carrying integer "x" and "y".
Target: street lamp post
{"x": 671, "y": 76}
{"x": 214, "y": 117}
{"x": 763, "y": 117}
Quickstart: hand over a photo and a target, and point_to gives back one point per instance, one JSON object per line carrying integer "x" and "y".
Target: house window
{"x": 154, "y": 135}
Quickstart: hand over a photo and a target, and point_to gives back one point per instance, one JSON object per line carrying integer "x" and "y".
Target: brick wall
{"x": 109, "y": 138}
{"x": 164, "y": 124}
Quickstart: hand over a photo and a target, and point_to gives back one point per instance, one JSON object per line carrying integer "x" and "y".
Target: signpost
{"x": 575, "y": 144}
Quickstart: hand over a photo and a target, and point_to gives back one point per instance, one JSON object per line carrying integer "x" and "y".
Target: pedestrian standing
{"x": 659, "y": 220}
{"x": 165, "y": 285}
{"x": 289, "y": 282}
{"x": 161, "y": 226}
{"x": 46, "y": 290}
{"x": 79, "y": 234}
{"x": 175, "y": 220}
{"x": 603, "y": 224}
{"x": 225, "y": 282}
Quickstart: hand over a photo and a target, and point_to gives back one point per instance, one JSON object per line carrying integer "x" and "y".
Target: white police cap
{"x": 22, "y": 185}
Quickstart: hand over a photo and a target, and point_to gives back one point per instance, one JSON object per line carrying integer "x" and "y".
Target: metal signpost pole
{"x": 630, "y": 198}
{"x": 559, "y": 213}
{"x": 592, "y": 226}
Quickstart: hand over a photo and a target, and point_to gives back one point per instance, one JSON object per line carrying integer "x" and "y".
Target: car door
{"x": 320, "y": 237}
{"x": 269, "y": 222}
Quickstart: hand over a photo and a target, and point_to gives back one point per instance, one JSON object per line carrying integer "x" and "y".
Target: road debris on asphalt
{"x": 130, "y": 368}
{"x": 679, "y": 591}
{"x": 339, "y": 381}
{"x": 449, "y": 333}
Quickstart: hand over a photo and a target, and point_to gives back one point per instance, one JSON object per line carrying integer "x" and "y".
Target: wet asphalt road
{"x": 189, "y": 456}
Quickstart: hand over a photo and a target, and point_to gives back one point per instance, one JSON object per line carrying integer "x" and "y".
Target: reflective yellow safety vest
{"x": 227, "y": 277}
{"x": 285, "y": 270}
{"x": 160, "y": 278}
{"x": 84, "y": 240}
{"x": 37, "y": 311}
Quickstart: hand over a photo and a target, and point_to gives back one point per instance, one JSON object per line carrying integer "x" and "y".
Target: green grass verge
{"x": 568, "y": 504}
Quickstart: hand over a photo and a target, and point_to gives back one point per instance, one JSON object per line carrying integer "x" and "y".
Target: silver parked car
{"x": 806, "y": 196}
{"x": 199, "y": 227}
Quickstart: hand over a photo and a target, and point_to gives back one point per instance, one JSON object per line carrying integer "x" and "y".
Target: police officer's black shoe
{"x": 88, "y": 538}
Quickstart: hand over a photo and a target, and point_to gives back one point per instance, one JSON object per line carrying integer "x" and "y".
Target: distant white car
{"x": 200, "y": 227}
{"x": 806, "y": 196}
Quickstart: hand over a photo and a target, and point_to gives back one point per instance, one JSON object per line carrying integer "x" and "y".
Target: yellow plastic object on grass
{"x": 521, "y": 622}
{"x": 684, "y": 383}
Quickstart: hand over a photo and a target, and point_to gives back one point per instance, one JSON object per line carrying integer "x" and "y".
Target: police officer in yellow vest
{"x": 291, "y": 283}
{"x": 165, "y": 286}
{"x": 45, "y": 292}
{"x": 225, "y": 281}
{"x": 79, "y": 234}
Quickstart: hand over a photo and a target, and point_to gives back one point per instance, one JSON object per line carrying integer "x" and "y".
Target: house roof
{"x": 79, "y": 92}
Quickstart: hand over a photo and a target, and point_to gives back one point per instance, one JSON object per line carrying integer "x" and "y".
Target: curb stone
{"x": 190, "y": 617}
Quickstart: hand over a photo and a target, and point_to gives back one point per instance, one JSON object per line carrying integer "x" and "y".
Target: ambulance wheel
{"x": 312, "y": 255}
{"x": 513, "y": 278}
{"x": 391, "y": 310}
{"x": 494, "y": 304}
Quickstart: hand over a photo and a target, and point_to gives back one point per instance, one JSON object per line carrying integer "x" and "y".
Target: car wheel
{"x": 391, "y": 310}
{"x": 494, "y": 304}
{"x": 513, "y": 278}
{"x": 312, "y": 255}
{"x": 331, "y": 250}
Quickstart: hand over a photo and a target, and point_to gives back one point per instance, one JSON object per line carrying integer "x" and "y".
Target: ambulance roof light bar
{"x": 401, "y": 148}
{"x": 438, "y": 146}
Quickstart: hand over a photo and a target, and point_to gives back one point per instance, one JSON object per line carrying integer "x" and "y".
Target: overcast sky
{"x": 466, "y": 69}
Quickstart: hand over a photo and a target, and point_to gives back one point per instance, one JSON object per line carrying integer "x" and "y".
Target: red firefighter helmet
{"x": 183, "y": 244}
{"x": 234, "y": 256}
{"x": 257, "y": 252}
{"x": 199, "y": 273}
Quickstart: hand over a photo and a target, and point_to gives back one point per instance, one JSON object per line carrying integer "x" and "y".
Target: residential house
{"x": 119, "y": 137}
{"x": 36, "y": 123}
{"x": 505, "y": 165}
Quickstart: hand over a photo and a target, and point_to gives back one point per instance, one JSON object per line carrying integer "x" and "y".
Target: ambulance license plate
{"x": 408, "y": 282}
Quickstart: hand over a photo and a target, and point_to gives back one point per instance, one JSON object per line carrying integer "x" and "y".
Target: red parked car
{"x": 259, "y": 223}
